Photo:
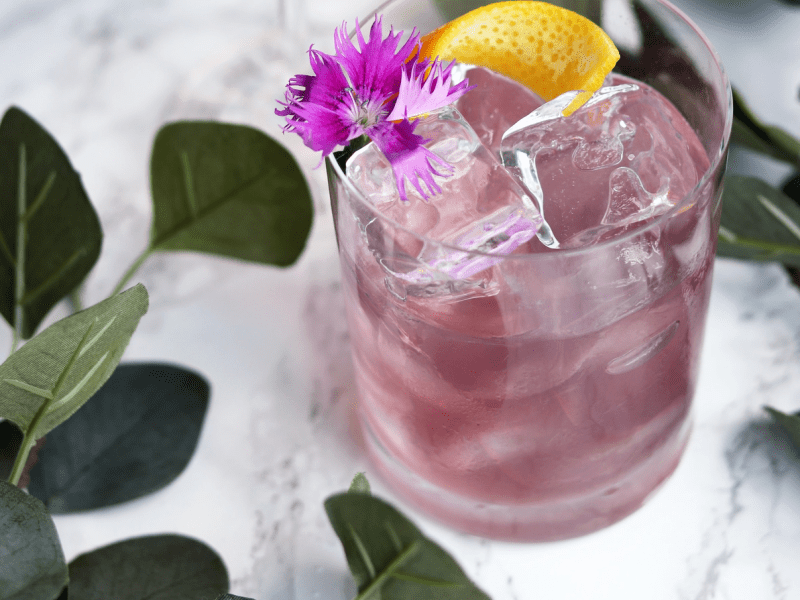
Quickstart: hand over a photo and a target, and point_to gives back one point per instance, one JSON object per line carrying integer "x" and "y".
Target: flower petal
{"x": 424, "y": 90}
{"x": 318, "y": 107}
{"x": 374, "y": 69}
{"x": 409, "y": 158}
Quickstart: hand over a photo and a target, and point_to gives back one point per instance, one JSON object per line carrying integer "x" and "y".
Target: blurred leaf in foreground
{"x": 390, "y": 558}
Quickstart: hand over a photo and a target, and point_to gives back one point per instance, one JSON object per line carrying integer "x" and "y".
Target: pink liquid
{"x": 550, "y": 398}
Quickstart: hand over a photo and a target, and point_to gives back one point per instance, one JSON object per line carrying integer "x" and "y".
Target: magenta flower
{"x": 373, "y": 90}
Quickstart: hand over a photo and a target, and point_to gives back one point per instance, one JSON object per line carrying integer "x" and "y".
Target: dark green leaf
{"x": 10, "y": 440}
{"x": 758, "y": 222}
{"x": 32, "y": 563}
{"x": 232, "y": 597}
{"x": 748, "y": 131}
{"x": 134, "y": 437}
{"x": 388, "y": 555}
{"x": 791, "y": 423}
{"x": 229, "y": 190}
{"x": 451, "y": 9}
{"x": 50, "y": 377}
{"x": 60, "y": 228}
{"x": 159, "y": 567}
{"x": 791, "y": 187}
{"x": 360, "y": 485}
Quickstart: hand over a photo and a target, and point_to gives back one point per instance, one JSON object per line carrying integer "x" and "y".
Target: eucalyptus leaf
{"x": 135, "y": 436}
{"x": 751, "y": 133}
{"x": 390, "y": 558}
{"x": 32, "y": 565}
{"x": 229, "y": 190}
{"x": 791, "y": 423}
{"x": 50, "y": 377}
{"x": 450, "y": 9}
{"x": 758, "y": 222}
{"x": 10, "y": 441}
{"x": 791, "y": 187}
{"x": 50, "y": 235}
{"x": 359, "y": 485}
{"x": 159, "y": 567}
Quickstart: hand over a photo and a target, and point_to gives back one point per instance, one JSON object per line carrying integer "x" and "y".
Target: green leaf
{"x": 749, "y": 132}
{"x": 791, "y": 423}
{"x": 159, "y": 567}
{"x": 451, "y": 9}
{"x": 10, "y": 440}
{"x": 359, "y": 485}
{"x": 50, "y": 235}
{"x": 50, "y": 377}
{"x": 135, "y": 436}
{"x": 232, "y": 597}
{"x": 32, "y": 565}
{"x": 229, "y": 190}
{"x": 390, "y": 558}
{"x": 758, "y": 222}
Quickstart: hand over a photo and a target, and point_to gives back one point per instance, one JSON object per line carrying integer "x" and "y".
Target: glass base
{"x": 541, "y": 522}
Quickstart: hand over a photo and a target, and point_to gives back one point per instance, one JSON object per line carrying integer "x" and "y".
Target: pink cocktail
{"x": 526, "y": 344}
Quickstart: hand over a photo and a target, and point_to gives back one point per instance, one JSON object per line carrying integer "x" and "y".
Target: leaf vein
{"x": 362, "y": 551}
{"x": 206, "y": 210}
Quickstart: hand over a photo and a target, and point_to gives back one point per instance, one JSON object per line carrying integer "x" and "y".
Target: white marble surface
{"x": 103, "y": 75}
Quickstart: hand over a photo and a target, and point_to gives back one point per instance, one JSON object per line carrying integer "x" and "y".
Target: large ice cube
{"x": 481, "y": 209}
{"x": 627, "y": 155}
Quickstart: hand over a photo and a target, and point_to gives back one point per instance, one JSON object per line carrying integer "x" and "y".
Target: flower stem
{"x": 132, "y": 270}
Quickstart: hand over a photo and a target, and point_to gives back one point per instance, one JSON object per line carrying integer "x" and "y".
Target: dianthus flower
{"x": 373, "y": 90}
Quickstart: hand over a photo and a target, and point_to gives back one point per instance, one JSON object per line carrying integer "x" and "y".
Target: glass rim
{"x": 714, "y": 164}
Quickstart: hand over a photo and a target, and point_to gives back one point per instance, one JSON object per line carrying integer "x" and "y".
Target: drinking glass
{"x": 553, "y": 403}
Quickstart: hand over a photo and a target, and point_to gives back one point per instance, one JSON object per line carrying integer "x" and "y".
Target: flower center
{"x": 365, "y": 113}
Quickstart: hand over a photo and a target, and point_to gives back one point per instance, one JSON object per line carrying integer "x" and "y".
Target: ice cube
{"x": 481, "y": 214}
{"x": 627, "y": 155}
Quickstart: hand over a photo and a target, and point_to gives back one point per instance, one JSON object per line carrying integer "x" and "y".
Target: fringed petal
{"x": 424, "y": 90}
{"x": 375, "y": 67}
{"x": 409, "y": 158}
{"x": 318, "y": 107}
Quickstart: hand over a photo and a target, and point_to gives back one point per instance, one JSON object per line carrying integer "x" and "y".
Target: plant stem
{"x": 388, "y": 571}
{"x": 132, "y": 269}
{"x": 28, "y": 442}
{"x": 22, "y": 458}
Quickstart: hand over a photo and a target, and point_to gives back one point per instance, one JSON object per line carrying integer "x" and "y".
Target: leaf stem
{"x": 388, "y": 571}
{"x": 22, "y": 458}
{"x": 28, "y": 442}
{"x": 132, "y": 270}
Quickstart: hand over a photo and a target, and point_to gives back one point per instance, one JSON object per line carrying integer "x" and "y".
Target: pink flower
{"x": 373, "y": 90}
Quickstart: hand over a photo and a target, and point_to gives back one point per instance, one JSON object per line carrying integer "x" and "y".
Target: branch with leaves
{"x": 217, "y": 188}
{"x": 760, "y": 222}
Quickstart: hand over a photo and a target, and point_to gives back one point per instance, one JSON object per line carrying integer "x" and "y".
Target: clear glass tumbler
{"x": 554, "y": 404}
